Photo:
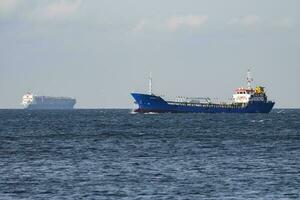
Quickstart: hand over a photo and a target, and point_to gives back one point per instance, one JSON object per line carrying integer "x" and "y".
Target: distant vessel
{"x": 245, "y": 100}
{"x": 34, "y": 102}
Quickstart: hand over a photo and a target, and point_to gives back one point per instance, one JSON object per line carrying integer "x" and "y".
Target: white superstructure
{"x": 27, "y": 99}
{"x": 245, "y": 95}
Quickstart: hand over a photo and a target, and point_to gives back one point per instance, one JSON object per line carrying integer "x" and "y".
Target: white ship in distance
{"x": 34, "y": 102}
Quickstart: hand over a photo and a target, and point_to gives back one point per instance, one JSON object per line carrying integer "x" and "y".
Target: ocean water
{"x": 113, "y": 154}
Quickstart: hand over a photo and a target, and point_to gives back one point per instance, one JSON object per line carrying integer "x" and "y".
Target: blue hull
{"x": 152, "y": 103}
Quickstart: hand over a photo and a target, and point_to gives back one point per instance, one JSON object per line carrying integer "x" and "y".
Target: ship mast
{"x": 150, "y": 84}
{"x": 249, "y": 79}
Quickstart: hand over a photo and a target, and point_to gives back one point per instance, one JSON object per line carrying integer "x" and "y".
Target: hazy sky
{"x": 100, "y": 50}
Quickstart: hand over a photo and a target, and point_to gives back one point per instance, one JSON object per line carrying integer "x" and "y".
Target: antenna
{"x": 150, "y": 84}
{"x": 249, "y": 79}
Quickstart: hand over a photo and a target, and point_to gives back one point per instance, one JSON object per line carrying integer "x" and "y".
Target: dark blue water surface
{"x": 112, "y": 154}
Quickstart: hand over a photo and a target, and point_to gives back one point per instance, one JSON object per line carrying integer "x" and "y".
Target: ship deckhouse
{"x": 243, "y": 95}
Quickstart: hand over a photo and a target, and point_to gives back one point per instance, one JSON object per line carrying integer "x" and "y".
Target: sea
{"x": 115, "y": 154}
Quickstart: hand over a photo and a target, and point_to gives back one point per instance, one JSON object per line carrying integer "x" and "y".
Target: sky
{"x": 99, "y": 51}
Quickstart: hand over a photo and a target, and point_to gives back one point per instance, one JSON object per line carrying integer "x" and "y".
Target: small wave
{"x": 133, "y": 112}
{"x": 148, "y": 113}
{"x": 259, "y": 121}
{"x": 151, "y": 113}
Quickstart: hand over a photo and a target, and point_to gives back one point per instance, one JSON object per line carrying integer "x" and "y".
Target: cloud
{"x": 170, "y": 23}
{"x": 173, "y": 23}
{"x": 58, "y": 9}
{"x": 286, "y": 22}
{"x": 246, "y": 21}
{"x": 189, "y": 21}
{"x": 7, "y": 7}
{"x": 251, "y": 21}
{"x": 62, "y": 9}
{"x": 140, "y": 26}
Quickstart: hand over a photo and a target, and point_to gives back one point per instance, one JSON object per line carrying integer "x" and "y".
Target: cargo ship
{"x": 33, "y": 102}
{"x": 244, "y": 100}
